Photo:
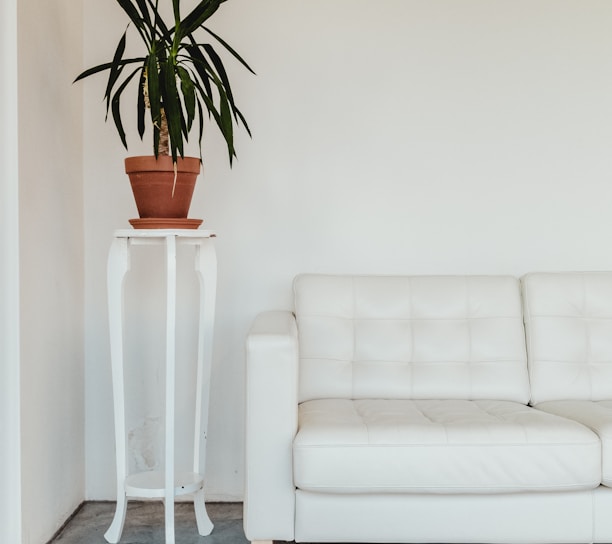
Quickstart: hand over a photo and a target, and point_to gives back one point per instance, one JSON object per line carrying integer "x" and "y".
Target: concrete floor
{"x": 144, "y": 524}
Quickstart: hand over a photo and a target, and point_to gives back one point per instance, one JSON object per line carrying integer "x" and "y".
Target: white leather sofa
{"x": 432, "y": 409}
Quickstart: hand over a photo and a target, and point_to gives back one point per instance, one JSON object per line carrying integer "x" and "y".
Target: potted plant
{"x": 182, "y": 82}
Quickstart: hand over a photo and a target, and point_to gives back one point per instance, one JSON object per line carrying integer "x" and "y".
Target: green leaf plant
{"x": 180, "y": 79}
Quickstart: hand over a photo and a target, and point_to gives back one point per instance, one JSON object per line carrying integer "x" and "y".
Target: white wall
{"x": 396, "y": 136}
{"x": 51, "y": 265}
{"x": 10, "y": 452}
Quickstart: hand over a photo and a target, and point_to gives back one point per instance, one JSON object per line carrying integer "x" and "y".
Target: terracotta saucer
{"x": 165, "y": 223}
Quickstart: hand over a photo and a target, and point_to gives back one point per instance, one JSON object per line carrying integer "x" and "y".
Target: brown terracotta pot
{"x": 152, "y": 183}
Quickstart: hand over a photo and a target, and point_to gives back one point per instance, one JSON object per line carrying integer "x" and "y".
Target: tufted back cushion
{"x": 568, "y": 319}
{"x": 421, "y": 337}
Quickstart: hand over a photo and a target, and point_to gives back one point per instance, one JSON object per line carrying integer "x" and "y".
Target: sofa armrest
{"x": 271, "y": 425}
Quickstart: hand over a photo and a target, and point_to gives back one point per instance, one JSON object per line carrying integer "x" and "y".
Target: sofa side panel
{"x": 271, "y": 425}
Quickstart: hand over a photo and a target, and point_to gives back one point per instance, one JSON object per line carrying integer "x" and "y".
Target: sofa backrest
{"x": 412, "y": 337}
{"x": 568, "y": 321}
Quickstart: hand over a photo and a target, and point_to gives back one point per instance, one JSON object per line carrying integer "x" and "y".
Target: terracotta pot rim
{"x": 148, "y": 163}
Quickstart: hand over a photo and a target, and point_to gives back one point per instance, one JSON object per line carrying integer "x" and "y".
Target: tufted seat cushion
{"x": 430, "y": 446}
{"x": 596, "y": 415}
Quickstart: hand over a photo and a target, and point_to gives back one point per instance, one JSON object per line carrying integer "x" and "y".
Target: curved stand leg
{"x": 205, "y": 526}
{"x": 206, "y": 269}
{"x": 118, "y": 265}
{"x": 113, "y": 534}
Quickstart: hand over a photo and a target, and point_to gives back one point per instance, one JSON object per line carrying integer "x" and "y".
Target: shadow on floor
{"x": 145, "y": 524}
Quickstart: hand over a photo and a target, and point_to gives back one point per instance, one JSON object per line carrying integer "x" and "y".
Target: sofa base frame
{"x": 547, "y": 517}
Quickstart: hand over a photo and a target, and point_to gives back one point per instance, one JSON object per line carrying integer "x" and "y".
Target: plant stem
{"x": 164, "y": 144}
{"x": 164, "y": 141}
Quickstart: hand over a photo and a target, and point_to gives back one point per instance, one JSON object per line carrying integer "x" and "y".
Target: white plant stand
{"x": 164, "y": 485}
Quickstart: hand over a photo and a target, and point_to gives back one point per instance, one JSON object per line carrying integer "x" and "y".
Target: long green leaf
{"x": 116, "y": 107}
{"x": 200, "y": 127}
{"x": 135, "y": 16}
{"x": 188, "y": 92}
{"x": 184, "y": 130}
{"x": 226, "y": 85}
{"x": 201, "y": 97}
{"x": 210, "y": 106}
{"x": 244, "y": 121}
{"x": 218, "y": 64}
{"x": 163, "y": 32}
{"x": 230, "y": 49}
{"x": 177, "y": 11}
{"x": 201, "y": 13}
{"x": 105, "y": 66}
{"x": 115, "y": 69}
{"x": 208, "y": 72}
{"x": 154, "y": 98}
{"x": 131, "y": 10}
{"x": 172, "y": 106}
{"x": 201, "y": 65}
{"x": 227, "y": 127}
{"x": 140, "y": 102}
{"x": 222, "y": 118}
{"x": 146, "y": 18}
